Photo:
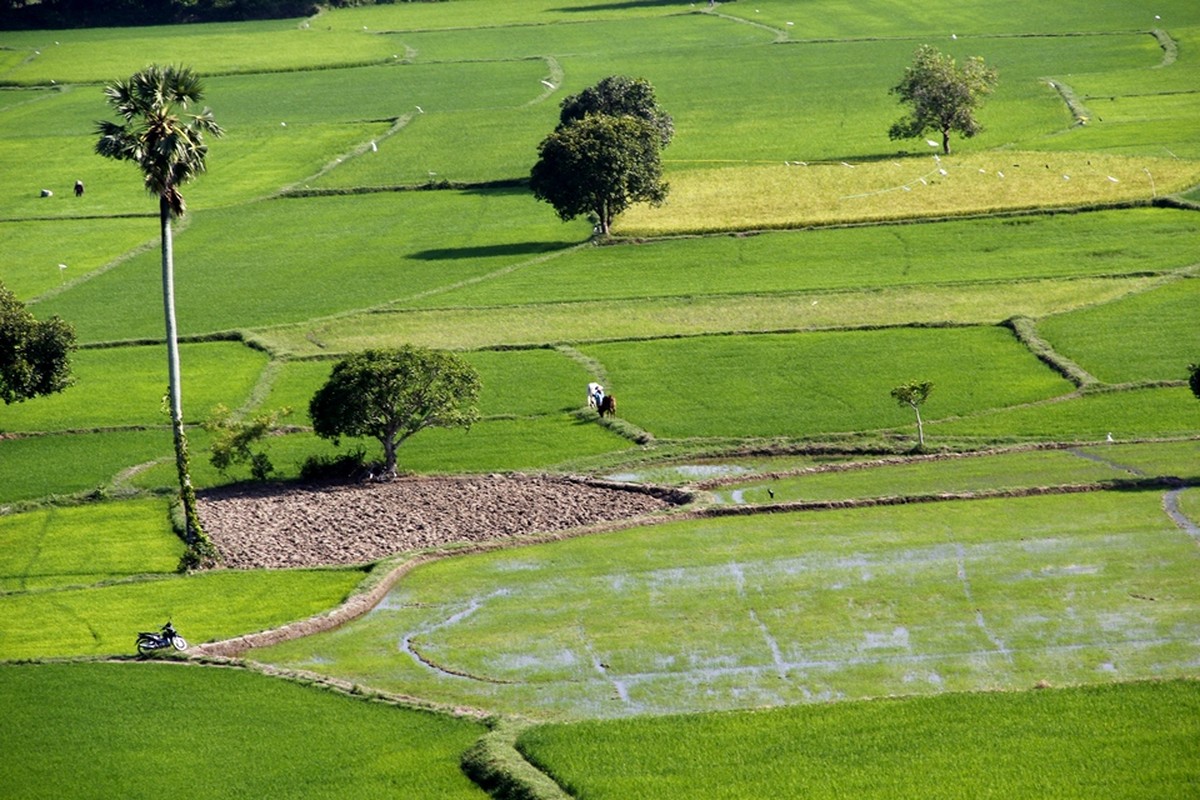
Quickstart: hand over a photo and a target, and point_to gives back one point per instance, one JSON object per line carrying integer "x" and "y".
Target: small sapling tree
{"x": 943, "y": 96}
{"x": 1194, "y": 379}
{"x": 234, "y": 440}
{"x": 914, "y": 394}
{"x": 34, "y": 356}
{"x": 390, "y": 394}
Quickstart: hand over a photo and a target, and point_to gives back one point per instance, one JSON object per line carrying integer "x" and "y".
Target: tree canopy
{"x": 34, "y": 356}
{"x": 391, "y": 394}
{"x": 1194, "y": 379}
{"x": 599, "y": 165}
{"x": 620, "y": 96}
{"x": 943, "y": 96}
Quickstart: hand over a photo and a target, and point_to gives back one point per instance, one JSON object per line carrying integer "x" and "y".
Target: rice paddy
{"x": 369, "y": 192}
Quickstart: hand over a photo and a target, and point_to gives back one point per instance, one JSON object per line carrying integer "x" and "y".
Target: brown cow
{"x": 608, "y": 406}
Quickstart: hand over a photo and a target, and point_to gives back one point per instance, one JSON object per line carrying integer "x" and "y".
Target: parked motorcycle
{"x": 148, "y": 642}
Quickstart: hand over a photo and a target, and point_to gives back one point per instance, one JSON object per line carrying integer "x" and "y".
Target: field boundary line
{"x": 1185, "y": 523}
{"x": 1025, "y": 331}
{"x": 1118, "y": 484}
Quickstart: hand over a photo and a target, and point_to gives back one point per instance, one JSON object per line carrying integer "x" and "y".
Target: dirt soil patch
{"x": 311, "y": 525}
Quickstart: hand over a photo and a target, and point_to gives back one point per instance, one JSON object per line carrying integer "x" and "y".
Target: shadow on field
{"x": 625, "y": 5}
{"x": 491, "y": 250}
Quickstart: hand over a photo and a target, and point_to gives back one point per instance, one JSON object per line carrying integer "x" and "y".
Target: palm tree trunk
{"x": 187, "y": 495}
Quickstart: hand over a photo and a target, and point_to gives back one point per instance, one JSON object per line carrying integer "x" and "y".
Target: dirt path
{"x": 297, "y": 526}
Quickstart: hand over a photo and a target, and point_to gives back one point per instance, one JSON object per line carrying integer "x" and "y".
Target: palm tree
{"x": 168, "y": 146}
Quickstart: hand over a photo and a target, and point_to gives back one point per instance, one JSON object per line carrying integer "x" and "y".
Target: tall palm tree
{"x": 167, "y": 145}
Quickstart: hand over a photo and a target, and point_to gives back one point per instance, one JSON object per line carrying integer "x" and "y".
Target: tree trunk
{"x": 187, "y": 495}
{"x": 920, "y": 428}
{"x": 946, "y": 142}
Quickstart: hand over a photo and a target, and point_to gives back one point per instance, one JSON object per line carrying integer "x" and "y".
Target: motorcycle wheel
{"x": 179, "y": 642}
{"x": 145, "y": 648}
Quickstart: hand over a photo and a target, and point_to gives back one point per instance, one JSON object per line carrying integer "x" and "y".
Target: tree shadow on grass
{"x": 628, "y": 4}
{"x": 513, "y": 249}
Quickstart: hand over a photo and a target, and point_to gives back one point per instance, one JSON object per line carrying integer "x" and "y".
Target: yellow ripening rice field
{"x": 797, "y": 194}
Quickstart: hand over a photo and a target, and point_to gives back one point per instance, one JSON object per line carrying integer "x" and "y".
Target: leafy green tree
{"x": 391, "y": 394}
{"x": 167, "y": 146}
{"x": 234, "y": 440}
{"x": 914, "y": 394}
{"x": 943, "y": 95}
{"x": 599, "y": 165}
{"x": 1194, "y": 379}
{"x": 34, "y": 356}
{"x": 617, "y": 96}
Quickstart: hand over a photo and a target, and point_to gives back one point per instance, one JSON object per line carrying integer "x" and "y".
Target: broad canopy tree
{"x": 391, "y": 394}
{"x": 605, "y": 154}
{"x": 943, "y": 96}
{"x": 34, "y": 356}
{"x": 167, "y": 145}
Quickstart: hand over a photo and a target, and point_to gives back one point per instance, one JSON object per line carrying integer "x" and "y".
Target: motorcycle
{"x": 148, "y": 642}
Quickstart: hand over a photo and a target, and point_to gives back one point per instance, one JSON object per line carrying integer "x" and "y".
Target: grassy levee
{"x": 1145, "y": 337}
{"x": 93, "y": 730}
{"x": 1135, "y": 740}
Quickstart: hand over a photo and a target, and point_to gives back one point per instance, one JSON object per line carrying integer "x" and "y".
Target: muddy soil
{"x": 311, "y": 525}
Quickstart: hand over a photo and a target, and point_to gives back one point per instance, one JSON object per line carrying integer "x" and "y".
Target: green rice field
{"x": 1009, "y": 611}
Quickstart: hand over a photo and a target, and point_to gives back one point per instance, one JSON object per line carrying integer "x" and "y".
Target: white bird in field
{"x": 1114, "y": 180}
{"x": 931, "y": 143}
{"x": 374, "y": 148}
{"x": 61, "y": 267}
{"x": 420, "y": 110}
{"x": 548, "y": 84}
{"x": 1110, "y": 436}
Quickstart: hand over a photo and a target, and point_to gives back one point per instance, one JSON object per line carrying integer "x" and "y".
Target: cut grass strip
{"x": 584, "y": 321}
{"x": 1126, "y": 740}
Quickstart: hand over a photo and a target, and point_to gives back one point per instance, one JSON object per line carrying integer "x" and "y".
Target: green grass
{"x": 1144, "y": 337}
{"x": 216, "y": 732}
{"x": 789, "y": 609}
{"x": 988, "y": 251}
{"x": 1138, "y": 413}
{"x": 299, "y": 259}
{"x": 1131, "y": 740}
{"x": 63, "y": 464}
{"x": 971, "y": 474}
{"x": 124, "y": 386}
{"x": 30, "y": 269}
{"x": 204, "y": 607}
{"x": 79, "y": 545}
{"x": 809, "y": 384}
